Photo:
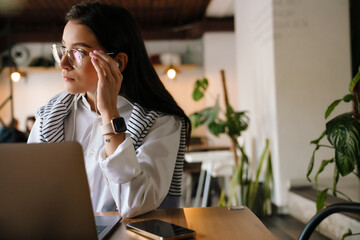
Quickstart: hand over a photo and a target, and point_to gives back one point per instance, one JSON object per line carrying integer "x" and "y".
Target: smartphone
{"x": 161, "y": 230}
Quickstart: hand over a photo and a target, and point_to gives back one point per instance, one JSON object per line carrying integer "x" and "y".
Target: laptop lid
{"x": 45, "y": 193}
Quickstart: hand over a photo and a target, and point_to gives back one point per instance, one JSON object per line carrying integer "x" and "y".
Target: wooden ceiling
{"x": 43, "y": 20}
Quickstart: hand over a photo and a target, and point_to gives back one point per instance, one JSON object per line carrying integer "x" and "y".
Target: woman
{"x": 132, "y": 131}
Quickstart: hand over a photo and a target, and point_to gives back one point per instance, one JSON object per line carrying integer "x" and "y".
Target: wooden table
{"x": 209, "y": 223}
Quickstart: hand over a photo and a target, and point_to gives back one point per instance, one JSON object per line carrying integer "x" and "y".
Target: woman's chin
{"x": 73, "y": 90}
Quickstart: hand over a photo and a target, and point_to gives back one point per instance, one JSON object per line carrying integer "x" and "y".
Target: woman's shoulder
{"x": 144, "y": 113}
{"x": 62, "y": 99}
{"x": 140, "y": 112}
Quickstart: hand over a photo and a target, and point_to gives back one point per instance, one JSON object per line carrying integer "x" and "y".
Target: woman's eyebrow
{"x": 78, "y": 44}
{"x": 81, "y": 44}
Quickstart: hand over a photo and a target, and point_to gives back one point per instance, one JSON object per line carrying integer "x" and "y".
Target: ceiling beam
{"x": 53, "y": 33}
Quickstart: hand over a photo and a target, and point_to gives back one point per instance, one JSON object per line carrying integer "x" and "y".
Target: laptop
{"x": 44, "y": 194}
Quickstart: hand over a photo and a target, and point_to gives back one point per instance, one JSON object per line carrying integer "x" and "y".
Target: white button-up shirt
{"x": 133, "y": 183}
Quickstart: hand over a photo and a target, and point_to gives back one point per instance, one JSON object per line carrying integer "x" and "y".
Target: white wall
{"x": 219, "y": 54}
{"x": 29, "y": 94}
{"x": 256, "y": 77}
{"x": 293, "y": 60}
{"x": 32, "y": 91}
{"x": 318, "y": 73}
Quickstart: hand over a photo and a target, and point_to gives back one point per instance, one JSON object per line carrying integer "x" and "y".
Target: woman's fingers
{"x": 109, "y": 84}
{"x": 100, "y": 71}
{"x": 108, "y": 72}
{"x": 109, "y": 66}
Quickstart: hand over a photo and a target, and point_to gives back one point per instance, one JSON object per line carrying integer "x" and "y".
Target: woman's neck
{"x": 90, "y": 97}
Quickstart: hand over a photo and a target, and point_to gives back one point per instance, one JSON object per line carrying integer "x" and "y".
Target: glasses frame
{"x": 66, "y": 52}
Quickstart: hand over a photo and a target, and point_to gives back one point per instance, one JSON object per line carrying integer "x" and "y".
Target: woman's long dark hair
{"x": 117, "y": 31}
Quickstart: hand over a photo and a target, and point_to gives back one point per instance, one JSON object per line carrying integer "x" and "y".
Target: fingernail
{"x": 101, "y": 51}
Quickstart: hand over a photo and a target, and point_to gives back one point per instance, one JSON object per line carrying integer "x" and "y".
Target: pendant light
{"x": 16, "y": 76}
{"x": 171, "y": 72}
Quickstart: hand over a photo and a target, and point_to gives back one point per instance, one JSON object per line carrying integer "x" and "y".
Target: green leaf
{"x": 244, "y": 157}
{"x": 242, "y": 170}
{"x": 269, "y": 180}
{"x": 336, "y": 179}
{"x": 331, "y": 107}
{"x": 200, "y": 88}
{"x": 254, "y": 186}
{"x": 236, "y": 122}
{"x": 212, "y": 113}
{"x": 316, "y": 141}
{"x": 348, "y": 233}
{"x": 354, "y": 81}
{"x": 205, "y": 116}
{"x": 329, "y": 110}
{"x": 345, "y": 163}
{"x": 235, "y": 179}
{"x": 195, "y": 119}
{"x": 321, "y": 197}
{"x": 343, "y": 132}
{"x": 217, "y": 128}
{"x": 199, "y": 118}
{"x": 344, "y": 195}
{"x": 311, "y": 163}
{"x": 222, "y": 201}
{"x": 324, "y": 163}
{"x": 347, "y": 98}
{"x": 197, "y": 94}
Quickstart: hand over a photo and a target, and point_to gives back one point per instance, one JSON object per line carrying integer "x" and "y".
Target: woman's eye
{"x": 82, "y": 52}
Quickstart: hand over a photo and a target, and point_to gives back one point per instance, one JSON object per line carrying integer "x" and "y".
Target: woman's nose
{"x": 65, "y": 63}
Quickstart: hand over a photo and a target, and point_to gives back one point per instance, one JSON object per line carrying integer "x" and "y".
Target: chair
{"x": 213, "y": 164}
{"x": 317, "y": 218}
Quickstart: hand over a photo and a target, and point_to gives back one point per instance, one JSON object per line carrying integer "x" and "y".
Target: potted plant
{"x": 244, "y": 187}
{"x": 343, "y": 135}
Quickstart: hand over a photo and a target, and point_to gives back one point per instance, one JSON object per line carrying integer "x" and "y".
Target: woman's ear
{"x": 122, "y": 59}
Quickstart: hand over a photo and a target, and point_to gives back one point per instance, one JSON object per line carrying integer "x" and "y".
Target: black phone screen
{"x": 160, "y": 228}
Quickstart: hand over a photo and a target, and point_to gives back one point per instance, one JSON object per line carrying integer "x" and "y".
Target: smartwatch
{"x": 115, "y": 126}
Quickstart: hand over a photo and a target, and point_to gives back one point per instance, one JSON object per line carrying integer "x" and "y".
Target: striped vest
{"x": 52, "y": 117}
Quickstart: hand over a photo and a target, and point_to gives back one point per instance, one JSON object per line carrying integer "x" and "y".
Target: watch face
{"x": 119, "y": 124}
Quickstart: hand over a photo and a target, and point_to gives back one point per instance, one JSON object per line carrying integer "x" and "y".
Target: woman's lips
{"x": 66, "y": 78}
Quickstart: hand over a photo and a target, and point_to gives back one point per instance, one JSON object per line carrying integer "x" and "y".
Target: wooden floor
{"x": 285, "y": 227}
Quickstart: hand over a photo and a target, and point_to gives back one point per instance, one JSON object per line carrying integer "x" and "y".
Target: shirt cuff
{"x": 122, "y": 165}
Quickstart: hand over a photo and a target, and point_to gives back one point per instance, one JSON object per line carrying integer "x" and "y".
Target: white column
{"x": 293, "y": 60}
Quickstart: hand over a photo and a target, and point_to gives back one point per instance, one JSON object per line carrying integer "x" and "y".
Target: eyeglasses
{"x": 75, "y": 56}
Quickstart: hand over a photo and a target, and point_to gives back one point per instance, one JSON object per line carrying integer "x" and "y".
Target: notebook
{"x": 44, "y": 194}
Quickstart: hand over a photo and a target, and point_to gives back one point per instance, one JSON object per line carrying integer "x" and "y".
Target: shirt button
{"x": 92, "y": 152}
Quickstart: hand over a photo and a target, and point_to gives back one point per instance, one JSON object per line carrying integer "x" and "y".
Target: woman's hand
{"x": 109, "y": 84}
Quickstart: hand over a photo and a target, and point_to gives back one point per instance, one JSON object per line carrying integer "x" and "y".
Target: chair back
{"x": 318, "y": 217}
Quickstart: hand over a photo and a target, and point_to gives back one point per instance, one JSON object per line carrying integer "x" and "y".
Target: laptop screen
{"x": 44, "y": 192}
